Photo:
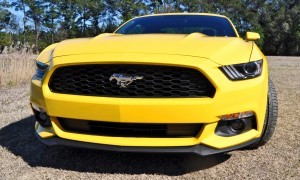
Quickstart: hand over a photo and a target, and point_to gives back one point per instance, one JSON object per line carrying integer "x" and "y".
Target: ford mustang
{"x": 174, "y": 83}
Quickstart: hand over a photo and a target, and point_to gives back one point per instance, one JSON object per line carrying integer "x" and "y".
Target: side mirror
{"x": 252, "y": 36}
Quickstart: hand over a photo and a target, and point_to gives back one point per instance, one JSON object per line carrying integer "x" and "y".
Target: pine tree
{"x": 51, "y": 15}
{"x": 35, "y": 13}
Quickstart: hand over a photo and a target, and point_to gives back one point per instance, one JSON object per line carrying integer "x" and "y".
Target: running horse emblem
{"x": 123, "y": 80}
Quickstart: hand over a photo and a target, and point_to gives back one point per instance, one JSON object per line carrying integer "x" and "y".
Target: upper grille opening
{"x": 158, "y": 81}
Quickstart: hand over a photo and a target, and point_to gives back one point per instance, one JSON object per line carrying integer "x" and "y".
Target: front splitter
{"x": 197, "y": 149}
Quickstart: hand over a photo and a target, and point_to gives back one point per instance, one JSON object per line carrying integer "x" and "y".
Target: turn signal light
{"x": 239, "y": 115}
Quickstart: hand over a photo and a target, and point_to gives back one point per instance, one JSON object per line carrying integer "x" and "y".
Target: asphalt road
{"x": 23, "y": 157}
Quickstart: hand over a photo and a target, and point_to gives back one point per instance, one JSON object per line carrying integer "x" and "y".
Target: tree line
{"x": 47, "y": 21}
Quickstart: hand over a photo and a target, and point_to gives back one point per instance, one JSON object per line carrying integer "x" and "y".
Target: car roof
{"x": 170, "y": 14}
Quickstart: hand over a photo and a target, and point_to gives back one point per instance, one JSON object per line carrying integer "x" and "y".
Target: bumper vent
{"x": 157, "y": 81}
{"x": 130, "y": 129}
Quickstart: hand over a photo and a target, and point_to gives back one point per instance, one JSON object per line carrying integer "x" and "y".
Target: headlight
{"x": 41, "y": 69}
{"x": 243, "y": 71}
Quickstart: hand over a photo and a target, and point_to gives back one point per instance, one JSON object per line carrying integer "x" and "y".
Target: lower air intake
{"x": 130, "y": 129}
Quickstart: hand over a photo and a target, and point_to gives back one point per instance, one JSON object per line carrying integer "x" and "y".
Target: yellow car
{"x": 175, "y": 83}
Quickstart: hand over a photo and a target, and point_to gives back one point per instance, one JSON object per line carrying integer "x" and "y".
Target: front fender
{"x": 46, "y": 55}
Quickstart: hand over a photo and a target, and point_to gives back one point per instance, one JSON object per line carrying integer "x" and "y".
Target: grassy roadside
{"x": 16, "y": 69}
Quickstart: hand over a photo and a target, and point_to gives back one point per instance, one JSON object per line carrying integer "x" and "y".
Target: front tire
{"x": 270, "y": 119}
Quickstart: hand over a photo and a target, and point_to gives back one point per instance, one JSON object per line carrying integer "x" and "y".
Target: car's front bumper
{"x": 230, "y": 97}
{"x": 196, "y": 149}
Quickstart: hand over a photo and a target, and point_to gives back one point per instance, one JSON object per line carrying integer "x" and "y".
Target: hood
{"x": 222, "y": 50}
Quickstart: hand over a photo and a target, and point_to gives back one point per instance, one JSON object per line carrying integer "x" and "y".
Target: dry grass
{"x": 22, "y": 156}
{"x": 16, "y": 68}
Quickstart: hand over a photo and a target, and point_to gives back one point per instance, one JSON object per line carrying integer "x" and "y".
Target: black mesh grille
{"x": 129, "y": 129}
{"x": 158, "y": 81}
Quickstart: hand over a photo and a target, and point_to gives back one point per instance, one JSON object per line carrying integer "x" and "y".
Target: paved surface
{"x": 23, "y": 157}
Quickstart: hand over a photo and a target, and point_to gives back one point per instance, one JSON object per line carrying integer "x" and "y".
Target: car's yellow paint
{"x": 46, "y": 55}
{"x": 197, "y": 51}
{"x": 230, "y": 97}
{"x": 44, "y": 132}
{"x": 170, "y": 14}
{"x": 195, "y": 45}
{"x": 205, "y": 137}
{"x": 252, "y": 36}
{"x": 36, "y": 93}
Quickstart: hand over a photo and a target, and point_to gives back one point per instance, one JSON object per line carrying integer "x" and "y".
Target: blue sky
{"x": 17, "y": 13}
{"x": 19, "y": 16}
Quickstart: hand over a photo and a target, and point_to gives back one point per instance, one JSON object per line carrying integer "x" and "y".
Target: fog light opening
{"x": 236, "y": 123}
{"x": 237, "y": 126}
{"x": 41, "y": 116}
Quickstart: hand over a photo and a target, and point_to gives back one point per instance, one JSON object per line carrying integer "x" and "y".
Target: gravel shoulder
{"x": 23, "y": 157}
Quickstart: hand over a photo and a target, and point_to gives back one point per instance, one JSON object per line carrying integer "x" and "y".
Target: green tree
{"x": 36, "y": 12}
{"x": 4, "y": 21}
{"x": 96, "y": 10}
{"x": 164, "y": 6}
{"x": 281, "y": 26}
{"x": 51, "y": 15}
{"x": 8, "y": 26}
{"x": 5, "y": 16}
{"x": 68, "y": 11}
{"x": 277, "y": 21}
{"x": 130, "y": 8}
{"x": 20, "y": 5}
{"x": 83, "y": 16}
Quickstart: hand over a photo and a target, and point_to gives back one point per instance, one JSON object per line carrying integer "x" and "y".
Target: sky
{"x": 17, "y": 13}
{"x": 19, "y": 16}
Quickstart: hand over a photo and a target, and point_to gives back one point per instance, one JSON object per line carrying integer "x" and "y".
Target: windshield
{"x": 179, "y": 24}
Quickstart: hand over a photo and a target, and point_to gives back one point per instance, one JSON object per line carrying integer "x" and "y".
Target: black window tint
{"x": 179, "y": 24}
